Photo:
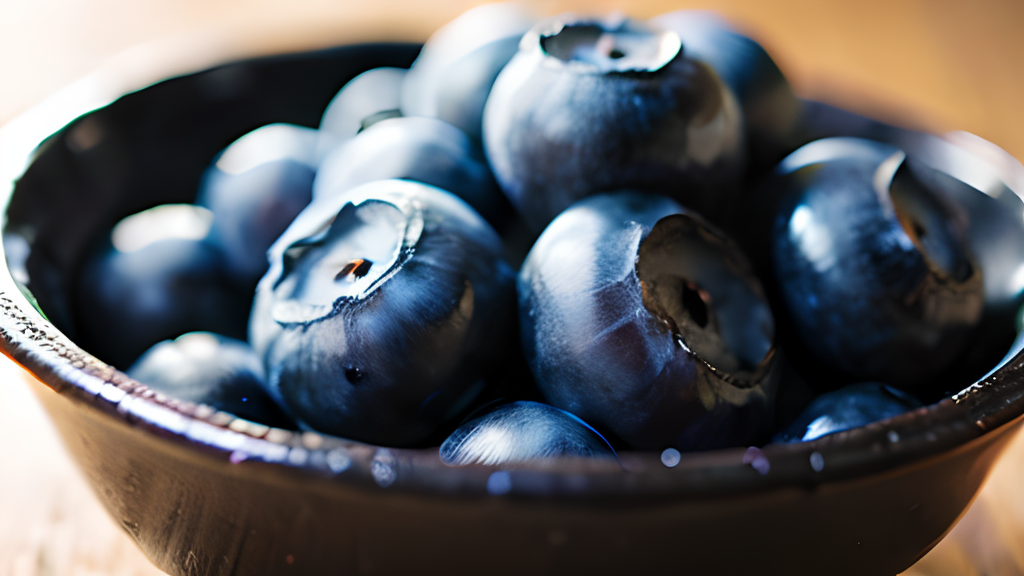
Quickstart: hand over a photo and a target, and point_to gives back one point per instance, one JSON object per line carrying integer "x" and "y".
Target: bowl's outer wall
{"x": 193, "y": 512}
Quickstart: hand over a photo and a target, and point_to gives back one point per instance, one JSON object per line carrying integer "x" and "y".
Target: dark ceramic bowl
{"x": 204, "y": 493}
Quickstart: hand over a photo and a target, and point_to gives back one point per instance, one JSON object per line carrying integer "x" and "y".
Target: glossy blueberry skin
{"x": 849, "y": 407}
{"x": 425, "y": 150}
{"x": 467, "y": 83}
{"x": 523, "y": 432}
{"x": 386, "y": 351}
{"x": 770, "y": 109}
{"x": 559, "y": 127}
{"x": 206, "y": 368}
{"x": 598, "y": 351}
{"x": 254, "y": 188}
{"x": 453, "y": 75}
{"x": 988, "y": 183}
{"x": 130, "y": 300}
{"x": 368, "y": 98}
{"x": 867, "y": 294}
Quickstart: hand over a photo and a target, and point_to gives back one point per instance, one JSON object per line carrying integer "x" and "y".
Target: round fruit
{"x": 590, "y": 106}
{"x": 157, "y": 277}
{"x": 383, "y": 310}
{"x": 849, "y": 407}
{"x": 254, "y": 189}
{"x": 453, "y": 74}
{"x": 426, "y": 150}
{"x": 366, "y": 99}
{"x": 872, "y": 264}
{"x": 206, "y": 368}
{"x": 643, "y": 320}
{"x": 523, "y": 433}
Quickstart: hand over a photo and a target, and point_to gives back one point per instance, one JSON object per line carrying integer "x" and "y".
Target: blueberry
{"x": 157, "y": 277}
{"x": 254, "y": 189}
{"x": 453, "y": 74}
{"x": 382, "y": 312}
{"x": 589, "y": 106}
{"x": 770, "y": 109}
{"x": 464, "y": 90}
{"x": 987, "y": 183}
{"x": 426, "y": 150}
{"x": 367, "y": 99}
{"x": 849, "y": 407}
{"x": 523, "y": 433}
{"x": 205, "y": 368}
{"x": 645, "y": 321}
{"x": 872, "y": 263}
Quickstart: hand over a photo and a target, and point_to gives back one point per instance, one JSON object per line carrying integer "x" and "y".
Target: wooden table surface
{"x": 944, "y": 65}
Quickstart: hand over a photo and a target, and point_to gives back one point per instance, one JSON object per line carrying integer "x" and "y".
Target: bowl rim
{"x": 993, "y": 403}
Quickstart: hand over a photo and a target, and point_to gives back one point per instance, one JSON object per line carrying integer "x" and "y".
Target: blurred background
{"x": 940, "y": 65}
{"x": 943, "y": 64}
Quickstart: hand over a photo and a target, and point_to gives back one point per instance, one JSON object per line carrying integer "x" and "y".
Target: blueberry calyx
{"x": 691, "y": 280}
{"x": 612, "y": 46}
{"x": 354, "y": 270}
{"x": 935, "y": 231}
{"x": 697, "y": 303}
{"x": 378, "y": 237}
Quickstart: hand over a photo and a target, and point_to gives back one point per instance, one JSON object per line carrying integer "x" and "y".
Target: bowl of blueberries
{"x": 578, "y": 294}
